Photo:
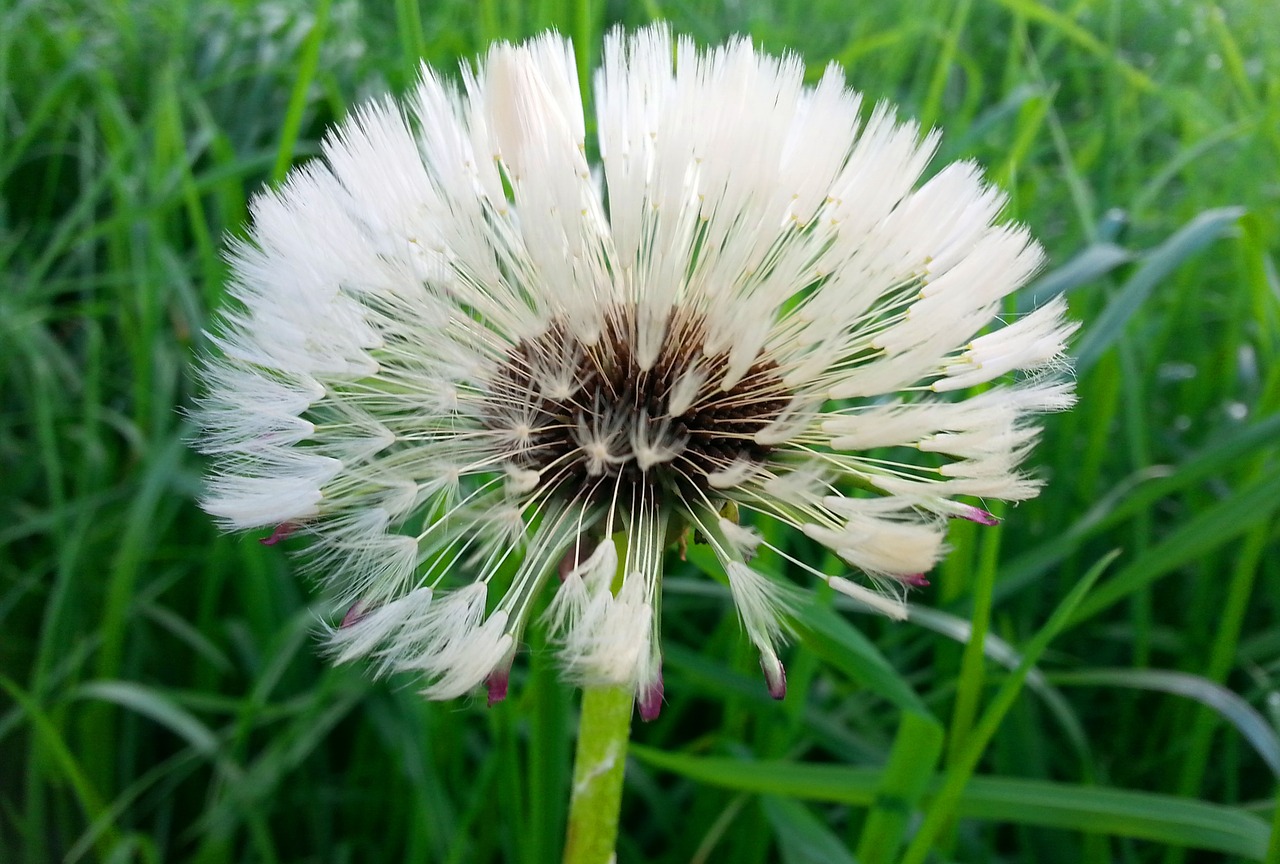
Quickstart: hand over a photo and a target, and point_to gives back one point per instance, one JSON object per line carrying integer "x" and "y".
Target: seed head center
{"x": 589, "y": 418}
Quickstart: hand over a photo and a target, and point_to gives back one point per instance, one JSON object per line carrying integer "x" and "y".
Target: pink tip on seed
{"x": 977, "y": 514}
{"x": 497, "y": 683}
{"x": 916, "y": 580}
{"x": 775, "y": 675}
{"x": 283, "y": 530}
{"x": 650, "y": 700}
{"x": 354, "y": 614}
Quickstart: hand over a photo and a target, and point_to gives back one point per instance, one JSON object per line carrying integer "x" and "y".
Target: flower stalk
{"x": 598, "y": 767}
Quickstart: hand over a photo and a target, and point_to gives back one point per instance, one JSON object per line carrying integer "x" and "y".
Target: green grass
{"x": 160, "y": 694}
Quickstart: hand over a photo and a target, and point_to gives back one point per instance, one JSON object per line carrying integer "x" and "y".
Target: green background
{"x": 161, "y": 698}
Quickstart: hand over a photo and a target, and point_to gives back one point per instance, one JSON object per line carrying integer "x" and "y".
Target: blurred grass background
{"x": 160, "y": 696}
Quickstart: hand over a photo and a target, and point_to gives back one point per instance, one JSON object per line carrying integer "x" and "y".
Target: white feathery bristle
{"x": 946, "y": 217}
{"x": 504, "y": 524}
{"x": 521, "y": 481}
{"x": 283, "y": 488}
{"x": 1032, "y": 342}
{"x": 980, "y": 443}
{"x": 790, "y": 423}
{"x": 761, "y": 604}
{"x": 443, "y": 636}
{"x": 736, "y": 473}
{"x": 1007, "y": 487}
{"x": 745, "y": 540}
{"x": 800, "y": 486}
{"x": 964, "y": 298}
{"x": 377, "y": 564}
{"x": 588, "y": 579}
{"x": 883, "y": 546}
{"x": 377, "y": 626}
{"x": 897, "y": 423}
{"x": 609, "y": 644}
{"x": 449, "y": 620}
{"x": 654, "y": 443}
{"x": 458, "y": 668}
{"x": 748, "y": 338}
{"x": 601, "y": 444}
{"x": 686, "y": 389}
{"x": 891, "y": 607}
{"x": 818, "y": 143}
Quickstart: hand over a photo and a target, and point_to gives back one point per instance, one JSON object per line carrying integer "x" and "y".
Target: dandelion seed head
{"x": 468, "y": 366}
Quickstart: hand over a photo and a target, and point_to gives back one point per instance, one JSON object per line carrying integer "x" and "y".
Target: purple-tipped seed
{"x": 354, "y": 614}
{"x": 775, "y": 675}
{"x": 650, "y": 700}
{"x": 916, "y": 580}
{"x": 283, "y": 530}
{"x": 977, "y": 514}
{"x": 496, "y": 684}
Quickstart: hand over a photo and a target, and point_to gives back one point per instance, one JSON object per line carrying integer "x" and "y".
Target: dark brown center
{"x": 593, "y": 422}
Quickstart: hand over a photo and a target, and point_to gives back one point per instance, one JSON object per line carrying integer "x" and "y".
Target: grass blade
{"x": 906, "y": 777}
{"x": 307, "y": 63}
{"x": 1247, "y": 720}
{"x": 839, "y": 643}
{"x": 1193, "y": 539}
{"x": 1150, "y": 816}
{"x": 153, "y": 704}
{"x": 1156, "y": 266}
{"x": 802, "y": 837}
{"x": 943, "y": 809}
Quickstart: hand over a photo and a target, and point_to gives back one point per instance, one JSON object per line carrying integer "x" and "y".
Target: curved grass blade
{"x": 64, "y": 761}
{"x": 1000, "y": 651}
{"x": 802, "y": 837}
{"x": 1247, "y": 720}
{"x": 1194, "y": 538}
{"x": 1165, "y": 819}
{"x": 843, "y": 646}
{"x": 916, "y": 750}
{"x": 154, "y": 705}
{"x": 1156, "y": 265}
{"x": 1090, "y": 263}
{"x": 1136, "y": 494}
{"x": 944, "y": 807}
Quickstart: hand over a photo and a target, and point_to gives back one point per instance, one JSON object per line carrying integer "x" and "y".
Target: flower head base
{"x": 469, "y": 366}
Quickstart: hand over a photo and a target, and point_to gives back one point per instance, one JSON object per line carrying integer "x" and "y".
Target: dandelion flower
{"x": 472, "y": 366}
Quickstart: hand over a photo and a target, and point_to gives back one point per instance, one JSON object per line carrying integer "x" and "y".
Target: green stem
{"x": 1273, "y": 848}
{"x": 603, "y": 733}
